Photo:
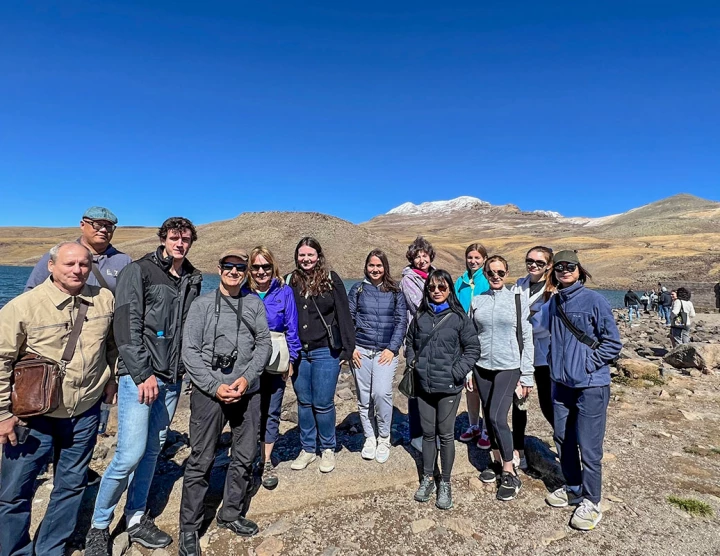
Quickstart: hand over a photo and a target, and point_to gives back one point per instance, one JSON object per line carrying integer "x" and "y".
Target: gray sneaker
{"x": 327, "y": 461}
{"x": 587, "y": 515}
{"x": 303, "y": 460}
{"x": 562, "y": 498}
{"x": 426, "y": 489}
{"x": 444, "y": 497}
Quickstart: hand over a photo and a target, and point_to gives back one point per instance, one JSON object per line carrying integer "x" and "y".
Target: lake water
{"x": 13, "y": 278}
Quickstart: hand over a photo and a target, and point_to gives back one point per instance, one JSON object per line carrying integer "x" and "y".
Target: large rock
{"x": 637, "y": 368}
{"x": 694, "y": 356}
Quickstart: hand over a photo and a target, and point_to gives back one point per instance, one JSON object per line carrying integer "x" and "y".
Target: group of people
{"x": 142, "y": 326}
{"x": 673, "y": 308}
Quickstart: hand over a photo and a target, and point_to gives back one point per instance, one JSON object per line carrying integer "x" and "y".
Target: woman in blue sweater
{"x": 378, "y": 310}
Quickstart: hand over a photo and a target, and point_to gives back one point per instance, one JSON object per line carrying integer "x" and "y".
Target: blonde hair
{"x": 266, "y": 254}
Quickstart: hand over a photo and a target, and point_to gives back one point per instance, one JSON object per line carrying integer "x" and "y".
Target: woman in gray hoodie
{"x": 506, "y": 361}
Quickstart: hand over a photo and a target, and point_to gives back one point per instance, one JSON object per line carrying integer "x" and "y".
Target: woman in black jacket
{"x": 443, "y": 346}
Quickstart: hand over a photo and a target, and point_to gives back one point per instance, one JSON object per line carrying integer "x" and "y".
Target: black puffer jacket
{"x": 148, "y": 300}
{"x": 449, "y": 355}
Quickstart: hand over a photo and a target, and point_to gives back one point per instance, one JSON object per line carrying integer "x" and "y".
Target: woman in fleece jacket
{"x": 503, "y": 364}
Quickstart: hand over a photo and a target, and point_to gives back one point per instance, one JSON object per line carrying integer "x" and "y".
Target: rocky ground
{"x": 663, "y": 439}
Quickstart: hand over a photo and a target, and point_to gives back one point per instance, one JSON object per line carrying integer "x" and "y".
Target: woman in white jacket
{"x": 680, "y": 327}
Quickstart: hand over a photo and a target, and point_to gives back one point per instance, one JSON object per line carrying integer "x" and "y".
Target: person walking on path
{"x": 665, "y": 305}
{"x": 265, "y": 282}
{"x": 501, "y": 318}
{"x": 226, "y": 345}
{"x": 327, "y": 336}
{"x": 584, "y": 339}
{"x": 681, "y": 317}
{"x": 441, "y": 349}
{"x": 632, "y": 302}
{"x": 378, "y": 309}
{"x": 467, "y": 286}
{"x": 153, "y": 297}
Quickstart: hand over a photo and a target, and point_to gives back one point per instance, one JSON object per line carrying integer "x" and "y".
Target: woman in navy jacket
{"x": 580, "y": 384}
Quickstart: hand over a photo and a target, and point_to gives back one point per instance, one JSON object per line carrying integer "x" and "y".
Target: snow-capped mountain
{"x": 439, "y": 207}
{"x": 548, "y": 213}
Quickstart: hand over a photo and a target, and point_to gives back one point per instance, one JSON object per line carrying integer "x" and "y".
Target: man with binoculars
{"x": 226, "y": 345}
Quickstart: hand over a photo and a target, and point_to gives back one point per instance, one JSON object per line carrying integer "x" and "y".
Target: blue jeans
{"x": 632, "y": 308}
{"x": 141, "y": 434}
{"x": 315, "y": 382}
{"x": 665, "y": 314}
{"x": 580, "y": 418}
{"x": 70, "y": 441}
{"x": 272, "y": 390}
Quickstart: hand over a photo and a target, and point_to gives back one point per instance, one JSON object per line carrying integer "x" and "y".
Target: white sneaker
{"x": 586, "y": 516}
{"x": 327, "y": 461}
{"x": 368, "y": 451}
{"x": 303, "y": 460}
{"x": 563, "y": 497}
{"x": 383, "y": 450}
{"x": 417, "y": 443}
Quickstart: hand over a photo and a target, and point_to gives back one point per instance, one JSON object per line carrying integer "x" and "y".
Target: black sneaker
{"x": 509, "y": 487}
{"x": 426, "y": 489}
{"x": 189, "y": 544}
{"x": 269, "y": 476}
{"x": 490, "y": 473}
{"x": 147, "y": 534}
{"x": 444, "y": 498}
{"x": 97, "y": 542}
{"x": 241, "y": 526}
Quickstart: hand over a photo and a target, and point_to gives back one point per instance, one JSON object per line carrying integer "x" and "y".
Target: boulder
{"x": 695, "y": 356}
{"x": 637, "y": 368}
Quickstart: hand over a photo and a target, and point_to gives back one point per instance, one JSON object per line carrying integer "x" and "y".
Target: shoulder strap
{"x": 325, "y": 324}
{"x": 427, "y": 339}
{"x": 518, "y": 331}
{"x": 581, "y": 336}
{"x": 75, "y": 333}
{"x": 238, "y": 311}
{"x": 99, "y": 277}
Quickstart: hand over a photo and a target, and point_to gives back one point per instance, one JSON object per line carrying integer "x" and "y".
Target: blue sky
{"x": 209, "y": 109}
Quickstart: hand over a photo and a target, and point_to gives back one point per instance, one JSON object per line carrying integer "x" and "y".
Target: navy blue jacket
{"x": 573, "y": 363}
{"x": 380, "y": 317}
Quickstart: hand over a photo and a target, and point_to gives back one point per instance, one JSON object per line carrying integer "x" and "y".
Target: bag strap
{"x": 325, "y": 324}
{"x": 238, "y": 311}
{"x": 99, "y": 277}
{"x": 75, "y": 333}
{"x": 581, "y": 336}
{"x": 429, "y": 336}
{"x": 518, "y": 329}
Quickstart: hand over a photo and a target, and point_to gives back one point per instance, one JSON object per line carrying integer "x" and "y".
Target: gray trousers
{"x": 374, "y": 384}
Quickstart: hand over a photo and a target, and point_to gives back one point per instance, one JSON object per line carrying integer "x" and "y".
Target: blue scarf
{"x": 439, "y": 308}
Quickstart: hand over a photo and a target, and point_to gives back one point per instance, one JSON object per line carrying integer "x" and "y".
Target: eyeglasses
{"x": 438, "y": 287}
{"x": 565, "y": 267}
{"x": 240, "y": 267}
{"x": 100, "y": 224}
{"x": 539, "y": 264}
{"x": 265, "y": 267}
{"x": 493, "y": 273}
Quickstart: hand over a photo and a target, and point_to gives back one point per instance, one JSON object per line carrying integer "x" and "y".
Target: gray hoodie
{"x": 200, "y": 333}
{"x": 495, "y": 317}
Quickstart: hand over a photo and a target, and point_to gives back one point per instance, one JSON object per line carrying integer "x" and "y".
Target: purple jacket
{"x": 282, "y": 314}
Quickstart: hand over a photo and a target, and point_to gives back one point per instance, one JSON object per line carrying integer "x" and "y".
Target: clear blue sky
{"x": 208, "y": 109}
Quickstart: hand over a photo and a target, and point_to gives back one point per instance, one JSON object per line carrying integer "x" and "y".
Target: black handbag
{"x": 407, "y": 382}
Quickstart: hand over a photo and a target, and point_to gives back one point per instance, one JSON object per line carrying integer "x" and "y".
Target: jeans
{"x": 315, "y": 382}
{"x": 141, "y": 434}
{"x": 679, "y": 336}
{"x": 437, "y": 418}
{"x": 272, "y": 390}
{"x": 665, "y": 314}
{"x": 496, "y": 391}
{"x": 580, "y": 419}
{"x": 70, "y": 442}
{"x": 208, "y": 417}
{"x": 374, "y": 383}
{"x": 636, "y": 309}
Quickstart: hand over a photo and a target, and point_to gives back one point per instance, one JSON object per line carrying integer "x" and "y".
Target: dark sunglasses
{"x": 438, "y": 287}
{"x": 99, "y": 225}
{"x": 264, "y": 267}
{"x": 500, "y": 273}
{"x": 539, "y": 264}
{"x": 565, "y": 267}
{"x": 240, "y": 267}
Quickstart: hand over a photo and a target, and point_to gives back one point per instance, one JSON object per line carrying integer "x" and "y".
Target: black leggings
{"x": 437, "y": 418}
{"x": 544, "y": 392}
{"x": 496, "y": 392}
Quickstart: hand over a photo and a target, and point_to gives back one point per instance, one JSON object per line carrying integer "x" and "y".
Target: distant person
{"x": 153, "y": 297}
{"x": 442, "y": 345}
{"x": 654, "y": 302}
{"x": 467, "y": 286}
{"x": 681, "y": 317}
{"x": 327, "y": 337}
{"x": 717, "y": 296}
{"x": 226, "y": 345}
{"x": 266, "y": 282}
{"x": 41, "y": 322}
{"x": 377, "y": 307}
{"x": 501, "y": 318}
{"x": 632, "y": 302}
{"x": 420, "y": 254}
{"x": 579, "y": 363}
{"x": 665, "y": 305}
{"x": 645, "y": 301}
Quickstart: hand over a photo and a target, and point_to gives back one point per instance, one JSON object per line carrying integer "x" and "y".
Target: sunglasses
{"x": 438, "y": 287}
{"x": 264, "y": 267}
{"x": 99, "y": 225}
{"x": 500, "y": 273}
{"x": 240, "y": 267}
{"x": 565, "y": 267}
{"x": 539, "y": 264}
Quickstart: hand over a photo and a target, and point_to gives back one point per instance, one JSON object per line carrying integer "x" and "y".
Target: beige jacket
{"x": 39, "y": 322}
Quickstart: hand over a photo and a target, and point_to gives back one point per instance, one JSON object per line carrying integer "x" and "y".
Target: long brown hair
{"x": 388, "y": 284}
{"x": 318, "y": 280}
{"x": 266, "y": 254}
{"x": 549, "y": 287}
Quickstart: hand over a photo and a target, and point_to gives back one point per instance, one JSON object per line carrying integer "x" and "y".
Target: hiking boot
{"x": 426, "y": 489}
{"x": 509, "y": 487}
{"x": 189, "y": 544}
{"x": 490, "y": 473}
{"x": 383, "y": 450}
{"x": 563, "y": 497}
{"x": 327, "y": 461}
{"x": 484, "y": 441}
{"x": 368, "y": 451}
{"x": 473, "y": 431}
{"x": 303, "y": 460}
{"x": 241, "y": 526}
{"x": 147, "y": 534}
{"x": 587, "y": 515}
{"x": 97, "y": 542}
{"x": 269, "y": 476}
{"x": 444, "y": 497}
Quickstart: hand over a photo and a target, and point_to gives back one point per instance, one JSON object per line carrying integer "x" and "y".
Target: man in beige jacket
{"x": 39, "y": 322}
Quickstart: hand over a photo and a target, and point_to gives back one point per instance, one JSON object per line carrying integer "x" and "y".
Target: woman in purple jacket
{"x": 265, "y": 282}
